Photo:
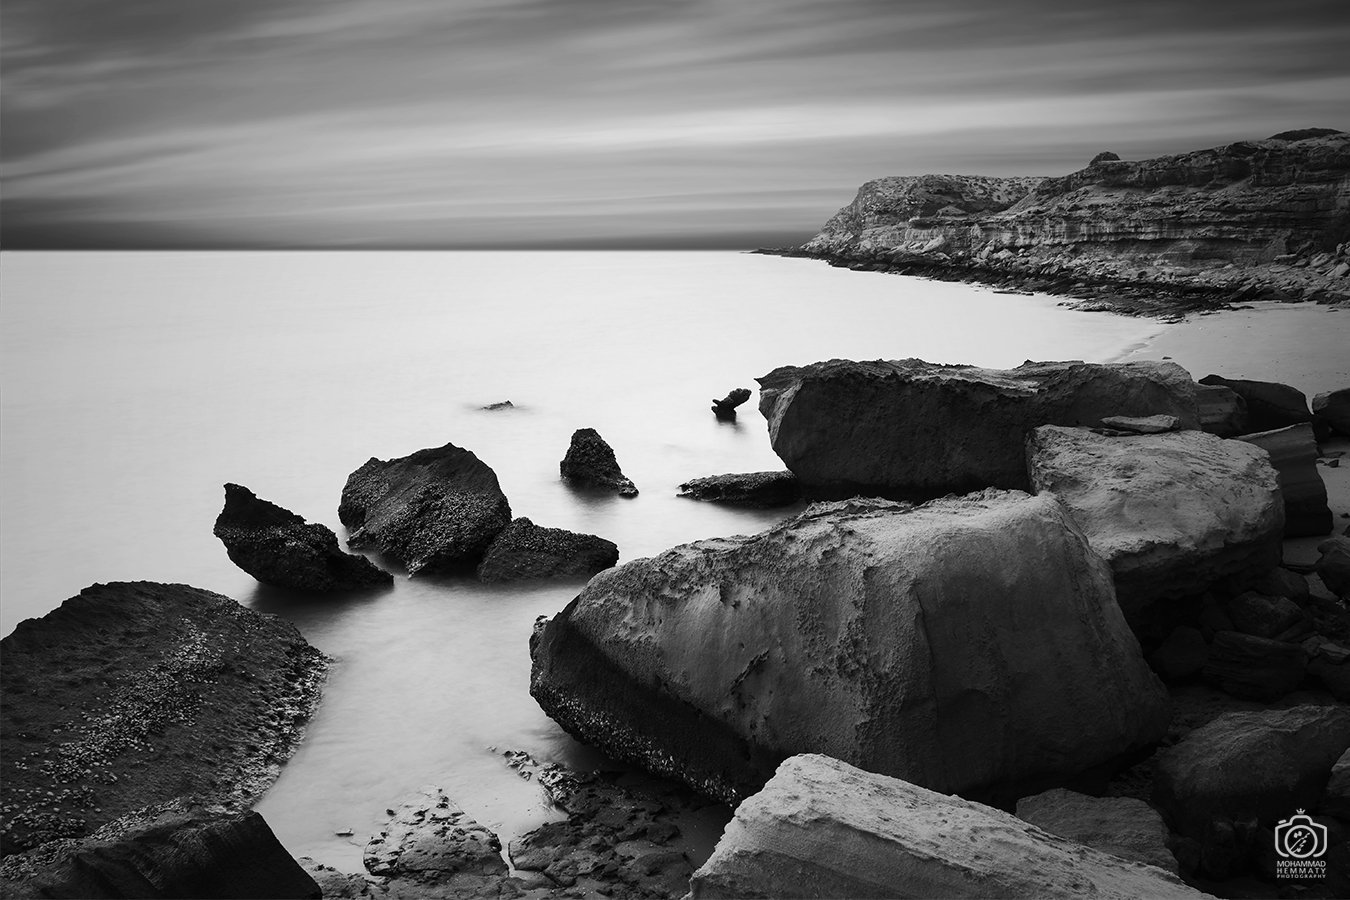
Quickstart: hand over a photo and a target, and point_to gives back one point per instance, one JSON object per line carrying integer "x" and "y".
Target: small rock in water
{"x": 494, "y": 407}
{"x": 346, "y": 832}
{"x": 726, "y": 407}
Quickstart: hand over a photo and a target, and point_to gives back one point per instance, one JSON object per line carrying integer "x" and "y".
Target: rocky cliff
{"x": 1265, "y": 219}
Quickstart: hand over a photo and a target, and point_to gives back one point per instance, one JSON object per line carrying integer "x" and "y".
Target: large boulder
{"x": 590, "y": 462}
{"x": 172, "y": 854}
{"x": 1293, "y": 453}
{"x": 279, "y": 548}
{"x": 969, "y": 644}
{"x": 524, "y": 551}
{"x": 821, "y": 828}
{"x": 915, "y": 429}
{"x": 1172, "y": 513}
{"x": 435, "y": 510}
{"x": 760, "y": 489}
{"x": 1332, "y": 410}
{"x": 1270, "y": 405}
{"x": 1222, "y": 410}
{"x": 1122, "y": 826}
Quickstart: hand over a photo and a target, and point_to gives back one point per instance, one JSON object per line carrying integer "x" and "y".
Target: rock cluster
{"x": 590, "y": 462}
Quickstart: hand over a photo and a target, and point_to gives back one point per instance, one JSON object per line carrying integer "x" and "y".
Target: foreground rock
{"x": 1222, "y": 411}
{"x": 1121, "y": 826}
{"x": 435, "y": 510}
{"x": 1172, "y": 513}
{"x": 132, "y": 694}
{"x": 914, "y": 429}
{"x": 1332, "y": 409}
{"x": 432, "y": 839}
{"x": 968, "y": 644}
{"x": 821, "y": 828}
{"x": 172, "y": 854}
{"x": 1293, "y": 453}
{"x": 279, "y": 548}
{"x": 591, "y": 462}
{"x": 525, "y": 551}
{"x": 759, "y": 489}
{"x": 1270, "y": 405}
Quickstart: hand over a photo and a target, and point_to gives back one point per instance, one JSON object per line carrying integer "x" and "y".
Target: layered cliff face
{"x": 1271, "y": 214}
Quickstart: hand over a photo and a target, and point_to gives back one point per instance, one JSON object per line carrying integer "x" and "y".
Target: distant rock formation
{"x": 435, "y": 510}
{"x": 279, "y": 548}
{"x": 524, "y": 551}
{"x": 590, "y": 461}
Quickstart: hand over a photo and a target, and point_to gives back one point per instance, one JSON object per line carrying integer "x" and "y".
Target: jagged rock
{"x": 1293, "y": 453}
{"x": 1263, "y": 616}
{"x": 279, "y": 548}
{"x": 174, "y": 854}
{"x": 1258, "y": 765}
{"x": 524, "y": 550}
{"x": 591, "y": 461}
{"x": 1282, "y": 582}
{"x": 821, "y": 828}
{"x": 1333, "y": 565}
{"x": 430, "y": 838}
{"x": 1122, "y": 826}
{"x": 1181, "y": 655}
{"x": 1222, "y": 411}
{"x": 726, "y": 407}
{"x": 338, "y": 885}
{"x": 1270, "y": 405}
{"x": 435, "y": 510}
{"x": 131, "y": 694}
{"x": 915, "y": 429}
{"x": 1171, "y": 513}
{"x": 971, "y": 644}
{"x": 1142, "y": 424}
{"x": 1332, "y": 409}
{"x": 1254, "y": 668}
{"x": 762, "y": 489}
{"x": 1336, "y": 797}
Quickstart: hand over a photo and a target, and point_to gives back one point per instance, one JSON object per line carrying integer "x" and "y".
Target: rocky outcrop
{"x": 524, "y": 551}
{"x": 821, "y": 828}
{"x": 435, "y": 510}
{"x": 759, "y": 489}
{"x": 1172, "y": 513}
{"x": 590, "y": 462}
{"x": 1293, "y": 453}
{"x": 725, "y": 409}
{"x": 1254, "y": 219}
{"x": 913, "y": 429}
{"x": 1332, "y": 409}
{"x": 171, "y": 854}
{"x": 1222, "y": 411}
{"x": 1269, "y": 405}
{"x": 130, "y": 694}
{"x": 429, "y": 838}
{"x": 279, "y": 548}
{"x": 970, "y": 644}
{"x": 1122, "y": 826}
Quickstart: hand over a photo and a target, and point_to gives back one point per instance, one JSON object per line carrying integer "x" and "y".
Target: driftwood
{"x": 726, "y": 407}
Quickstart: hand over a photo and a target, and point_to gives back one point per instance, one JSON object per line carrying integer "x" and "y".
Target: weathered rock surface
{"x": 1171, "y": 513}
{"x": 1250, "y": 765}
{"x": 1142, "y": 424}
{"x": 1333, "y": 565}
{"x": 1332, "y": 409}
{"x": 762, "y": 489}
{"x": 1121, "y": 826}
{"x": 1293, "y": 453}
{"x": 821, "y": 828}
{"x": 430, "y": 838}
{"x": 1222, "y": 411}
{"x": 135, "y": 693}
{"x": 1254, "y": 668}
{"x": 1270, "y": 405}
{"x": 590, "y": 461}
{"x": 279, "y": 548}
{"x": 524, "y": 550}
{"x": 968, "y": 644}
{"x": 435, "y": 510}
{"x": 913, "y": 429}
{"x": 1265, "y": 616}
{"x": 173, "y": 854}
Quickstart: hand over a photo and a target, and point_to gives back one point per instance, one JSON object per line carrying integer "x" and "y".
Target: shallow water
{"x": 134, "y": 385}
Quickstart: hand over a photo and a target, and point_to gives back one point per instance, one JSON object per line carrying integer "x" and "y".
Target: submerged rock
{"x": 279, "y": 548}
{"x": 590, "y": 461}
{"x": 525, "y": 550}
{"x": 761, "y": 489}
{"x": 968, "y": 644}
{"x": 821, "y": 828}
{"x": 916, "y": 429}
{"x": 435, "y": 510}
{"x": 1293, "y": 453}
{"x": 726, "y": 407}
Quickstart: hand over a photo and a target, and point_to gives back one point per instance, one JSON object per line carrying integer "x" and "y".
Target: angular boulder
{"x": 1121, "y": 826}
{"x": 279, "y": 548}
{"x": 1293, "y": 453}
{"x": 1222, "y": 411}
{"x": 435, "y": 510}
{"x": 1332, "y": 410}
{"x": 524, "y": 551}
{"x": 1254, "y": 668}
{"x": 822, "y": 828}
{"x": 590, "y": 462}
{"x": 1270, "y": 405}
{"x": 759, "y": 489}
{"x": 1171, "y": 513}
{"x": 914, "y": 429}
{"x": 968, "y": 645}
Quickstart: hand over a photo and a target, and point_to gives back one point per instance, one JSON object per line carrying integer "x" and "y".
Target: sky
{"x": 586, "y": 123}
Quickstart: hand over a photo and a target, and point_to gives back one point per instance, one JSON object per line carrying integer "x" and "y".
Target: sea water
{"x": 133, "y": 385}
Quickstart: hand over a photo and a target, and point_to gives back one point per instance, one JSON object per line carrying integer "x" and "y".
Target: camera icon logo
{"x": 1299, "y": 837}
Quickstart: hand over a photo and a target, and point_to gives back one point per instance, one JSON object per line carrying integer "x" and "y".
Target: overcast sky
{"x": 604, "y": 122}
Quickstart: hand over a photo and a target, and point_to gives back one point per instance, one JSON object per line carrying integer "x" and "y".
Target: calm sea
{"x": 132, "y": 385}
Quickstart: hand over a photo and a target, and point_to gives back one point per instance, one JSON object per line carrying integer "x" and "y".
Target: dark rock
{"x": 1270, "y": 405}
{"x": 1254, "y": 668}
{"x": 761, "y": 489}
{"x": 1333, "y": 565}
{"x": 277, "y": 547}
{"x": 1104, "y": 156}
{"x": 175, "y": 854}
{"x": 435, "y": 510}
{"x": 1334, "y": 676}
{"x": 1122, "y": 826}
{"x": 1181, "y": 655}
{"x": 1336, "y": 797}
{"x": 1293, "y": 453}
{"x": 1332, "y": 410}
{"x": 432, "y": 839}
{"x": 726, "y": 407}
{"x": 1262, "y": 616}
{"x": 1142, "y": 424}
{"x": 913, "y": 429}
{"x": 524, "y": 550}
{"x": 1222, "y": 411}
{"x": 713, "y": 661}
{"x": 337, "y": 885}
{"x": 1281, "y": 582}
{"x": 498, "y": 407}
{"x": 590, "y": 461}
